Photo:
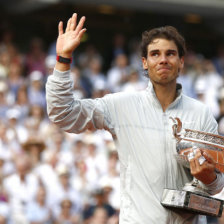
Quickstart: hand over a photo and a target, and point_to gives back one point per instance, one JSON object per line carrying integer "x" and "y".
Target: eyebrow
{"x": 157, "y": 50}
{"x": 172, "y": 51}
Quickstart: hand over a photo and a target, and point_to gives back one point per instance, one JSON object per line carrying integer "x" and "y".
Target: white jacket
{"x": 144, "y": 139}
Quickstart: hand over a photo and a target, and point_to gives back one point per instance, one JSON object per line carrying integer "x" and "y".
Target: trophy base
{"x": 192, "y": 202}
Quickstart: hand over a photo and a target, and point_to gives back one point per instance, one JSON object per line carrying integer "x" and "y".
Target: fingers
{"x": 73, "y": 21}
{"x": 191, "y": 159}
{"x": 68, "y": 25}
{"x": 195, "y": 166}
{"x": 80, "y": 25}
{"x": 199, "y": 160}
{"x": 81, "y": 33}
{"x": 71, "y": 24}
{"x": 197, "y": 156}
{"x": 60, "y": 28}
{"x": 208, "y": 157}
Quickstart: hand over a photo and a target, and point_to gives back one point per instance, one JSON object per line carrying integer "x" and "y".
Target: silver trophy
{"x": 193, "y": 197}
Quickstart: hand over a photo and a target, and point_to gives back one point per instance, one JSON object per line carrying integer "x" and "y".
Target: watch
{"x": 64, "y": 60}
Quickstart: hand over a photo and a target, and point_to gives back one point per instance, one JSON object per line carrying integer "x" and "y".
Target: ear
{"x": 181, "y": 66}
{"x": 144, "y": 63}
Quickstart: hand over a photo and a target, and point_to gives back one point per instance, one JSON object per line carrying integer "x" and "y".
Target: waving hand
{"x": 69, "y": 40}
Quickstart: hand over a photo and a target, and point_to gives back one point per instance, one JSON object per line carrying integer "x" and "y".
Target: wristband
{"x": 64, "y": 60}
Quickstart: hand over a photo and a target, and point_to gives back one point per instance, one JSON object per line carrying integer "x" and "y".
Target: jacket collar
{"x": 154, "y": 98}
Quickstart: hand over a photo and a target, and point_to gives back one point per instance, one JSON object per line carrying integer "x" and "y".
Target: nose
{"x": 163, "y": 59}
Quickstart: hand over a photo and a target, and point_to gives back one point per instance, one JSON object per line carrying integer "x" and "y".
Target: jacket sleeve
{"x": 71, "y": 114}
{"x": 216, "y": 186}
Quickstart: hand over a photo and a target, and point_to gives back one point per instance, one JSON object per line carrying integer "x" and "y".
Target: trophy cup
{"x": 193, "y": 197}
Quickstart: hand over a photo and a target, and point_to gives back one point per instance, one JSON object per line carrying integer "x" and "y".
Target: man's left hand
{"x": 202, "y": 170}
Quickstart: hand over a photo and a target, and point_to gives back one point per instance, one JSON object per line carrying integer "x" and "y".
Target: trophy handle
{"x": 177, "y": 127}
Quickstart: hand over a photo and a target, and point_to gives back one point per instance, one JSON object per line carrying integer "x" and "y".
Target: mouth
{"x": 162, "y": 69}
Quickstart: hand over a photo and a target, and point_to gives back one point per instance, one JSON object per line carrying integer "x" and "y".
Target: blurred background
{"x": 201, "y": 21}
{"x": 51, "y": 177}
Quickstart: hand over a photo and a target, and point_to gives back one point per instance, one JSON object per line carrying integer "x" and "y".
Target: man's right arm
{"x": 71, "y": 114}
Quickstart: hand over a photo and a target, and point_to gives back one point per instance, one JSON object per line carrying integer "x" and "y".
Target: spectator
{"x": 81, "y": 84}
{"x": 96, "y": 162}
{"x": 94, "y": 74}
{"x": 118, "y": 73}
{"x": 58, "y": 143}
{"x": 4, "y": 99}
{"x": 16, "y": 131}
{"x": 100, "y": 216}
{"x": 15, "y": 78}
{"x": 36, "y": 121}
{"x": 22, "y": 102}
{"x": 79, "y": 149}
{"x": 34, "y": 147}
{"x": 82, "y": 182}
{"x": 110, "y": 182}
{"x": 35, "y": 91}
{"x": 6, "y": 168}
{"x": 49, "y": 64}
{"x": 134, "y": 83}
{"x": 100, "y": 200}
{"x": 35, "y": 58}
{"x": 4, "y": 62}
{"x": 135, "y": 54}
{"x": 38, "y": 212}
{"x": 10, "y": 148}
{"x": 66, "y": 216}
{"x": 187, "y": 82}
{"x": 118, "y": 46}
{"x": 46, "y": 170}
{"x": 87, "y": 55}
{"x": 4, "y": 206}
{"x": 219, "y": 60}
{"x": 209, "y": 83}
{"x": 64, "y": 190}
{"x": 21, "y": 188}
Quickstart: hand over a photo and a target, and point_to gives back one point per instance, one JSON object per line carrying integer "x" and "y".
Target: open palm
{"x": 69, "y": 40}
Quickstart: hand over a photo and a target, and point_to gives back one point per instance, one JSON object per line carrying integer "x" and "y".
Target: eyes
{"x": 154, "y": 54}
{"x": 158, "y": 53}
{"x": 171, "y": 53}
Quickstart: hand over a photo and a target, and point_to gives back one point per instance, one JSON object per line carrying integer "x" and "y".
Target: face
{"x": 41, "y": 194}
{"x": 163, "y": 62}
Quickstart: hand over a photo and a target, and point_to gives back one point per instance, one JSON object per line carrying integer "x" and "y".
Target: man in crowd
{"x": 139, "y": 123}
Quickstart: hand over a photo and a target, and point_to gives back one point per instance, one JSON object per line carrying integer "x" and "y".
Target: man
{"x": 21, "y": 188}
{"x": 140, "y": 124}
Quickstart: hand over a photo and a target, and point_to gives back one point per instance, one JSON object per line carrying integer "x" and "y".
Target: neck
{"x": 166, "y": 94}
{"x": 65, "y": 186}
{"x": 22, "y": 177}
{"x": 41, "y": 203}
{"x": 66, "y": 214}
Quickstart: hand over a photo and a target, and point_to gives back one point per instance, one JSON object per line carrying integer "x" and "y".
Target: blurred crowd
{"x": 51, "y": 177}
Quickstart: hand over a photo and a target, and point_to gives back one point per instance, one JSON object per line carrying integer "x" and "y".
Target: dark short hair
{"x": 166, "y": 32}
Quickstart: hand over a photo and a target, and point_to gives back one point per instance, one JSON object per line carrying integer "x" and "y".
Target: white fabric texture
{"x": 143, "y": 137}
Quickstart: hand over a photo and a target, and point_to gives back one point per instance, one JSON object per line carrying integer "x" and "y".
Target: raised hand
{"x": 69, "y": 40}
